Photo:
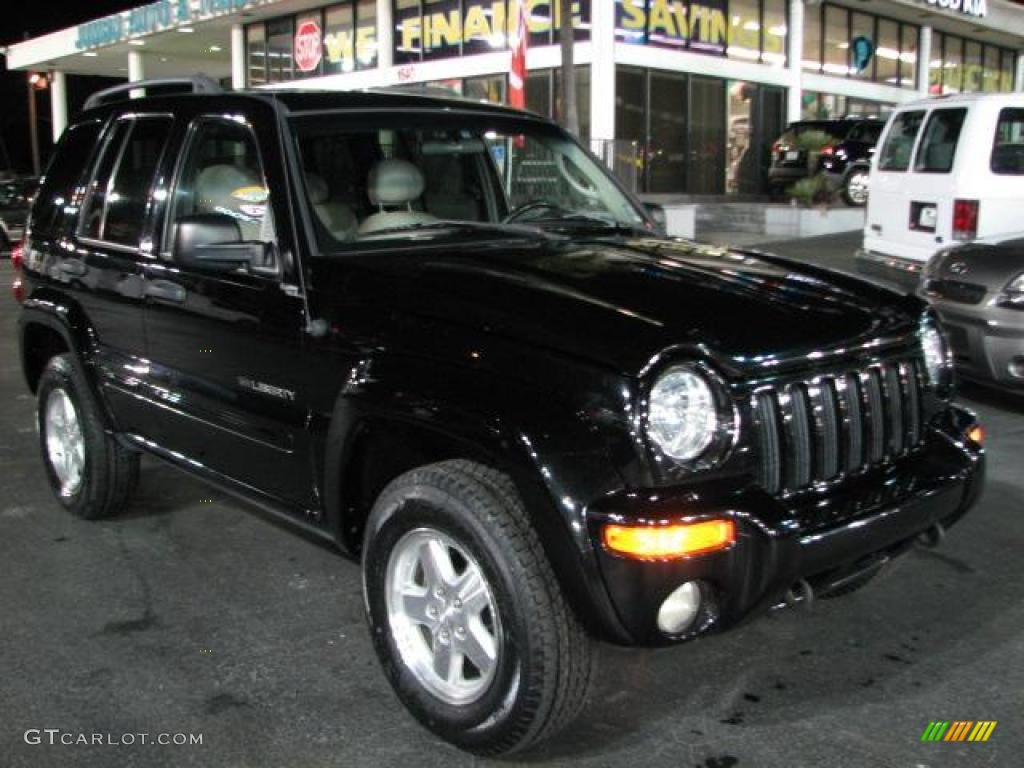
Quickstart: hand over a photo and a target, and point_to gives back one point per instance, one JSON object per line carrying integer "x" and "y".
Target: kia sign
{"x": 308, "y": 46}
{"x": 975, "y": 8}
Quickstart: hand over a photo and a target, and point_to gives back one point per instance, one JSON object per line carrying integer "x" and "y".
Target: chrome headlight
{"x": 682, "y": 413}
{"x": 937, "y": 361}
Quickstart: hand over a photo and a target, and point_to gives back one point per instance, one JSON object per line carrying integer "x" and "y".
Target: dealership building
{"x": 682, "y": 96}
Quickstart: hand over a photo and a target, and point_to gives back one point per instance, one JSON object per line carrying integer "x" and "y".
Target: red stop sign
{"x": 308, "y": 46}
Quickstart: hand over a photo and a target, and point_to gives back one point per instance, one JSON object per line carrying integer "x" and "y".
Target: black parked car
{"x": 16, "y": 196}
{"x": 844, "y": 157}
{"x": 438, "y": 334}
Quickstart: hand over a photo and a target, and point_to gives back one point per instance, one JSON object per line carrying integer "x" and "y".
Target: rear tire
{"x": 467, "y": 517}
{"x": 91, "y": 475}
{"x": 855, "y": 187}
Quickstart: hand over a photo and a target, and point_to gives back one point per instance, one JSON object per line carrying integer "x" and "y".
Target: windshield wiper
{"x": 469, "y": 226}
{"x": 582, "y": 220}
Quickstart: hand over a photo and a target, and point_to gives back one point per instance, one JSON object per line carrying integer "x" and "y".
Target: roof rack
{"x": 194, "y": 84}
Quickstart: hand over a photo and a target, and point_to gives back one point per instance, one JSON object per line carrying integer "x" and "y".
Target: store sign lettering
{"x": 975, "y": 8}
{"x": 155, "y": 17}
{"x": 673, "y": 20}
{"x": 346, "y": 45}
{"x": 482, "y": 21}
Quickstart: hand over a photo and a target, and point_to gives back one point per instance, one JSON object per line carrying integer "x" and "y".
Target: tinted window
{"x": 129, "y": 193}
{"x": 938, "y": 146}
{"x": 67, "y": 167}
{"x": 866, "y": 133}
{"x": 222, "y": 174}
{"x": 1008, "y": 144}
{"x": 115, "y": 206}
{"x": 99, "y": 186}
{"x": 899, "y": 143}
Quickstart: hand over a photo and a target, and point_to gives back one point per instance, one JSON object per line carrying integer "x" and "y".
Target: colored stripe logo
{"x": 958, "y": 730}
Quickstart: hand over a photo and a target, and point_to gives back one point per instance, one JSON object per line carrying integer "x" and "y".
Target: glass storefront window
{"x": 492, "y": 88}
{"x": 862, "y": 28}
{"x": 366, "y": 34}
{"x": 837, "y": 41}
{"x": 908, "y": 55}
{"x": 990, "y": 75}
{"x": 972, "y": 67}
{"x": 256, "y": 54}
{"x": 408, "y": 31}
{"x": 1006, "y": 77}
{"x": 340, "y": 39}
{"x": 666, "y": 142}
{"x": 812, "y": 39}
{"x": 280, "y": 64}
{"x": 773, "y": 33}
{"x": 952, "y": 64}
{"x": 887, "y": 53}
{"x": 744, "y": 30}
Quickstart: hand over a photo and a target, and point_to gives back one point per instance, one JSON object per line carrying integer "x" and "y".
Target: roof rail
{"x": 195, "y": 84}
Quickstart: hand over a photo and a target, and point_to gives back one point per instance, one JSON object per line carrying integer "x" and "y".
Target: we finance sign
{"x": 155, "y": 17}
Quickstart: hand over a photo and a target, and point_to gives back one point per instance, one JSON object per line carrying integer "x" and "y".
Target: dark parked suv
{"x": 844, "y": 155}
{"x": 439, "y": 335}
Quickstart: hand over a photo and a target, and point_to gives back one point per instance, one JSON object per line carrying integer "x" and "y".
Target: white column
{"x": 794, "y": 61}
{"x": 924, "y": 58}
{"x": 385, "y": 34}
{"x": 58, "y": 103}
{"x": 1019, "y": 84}
{"x": 136, "y": 72}
{"x": 237, "y": 57}
{"x": 602, "y": 76}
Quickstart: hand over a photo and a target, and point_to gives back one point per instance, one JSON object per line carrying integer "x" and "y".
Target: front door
{"x": 226, "y": 347}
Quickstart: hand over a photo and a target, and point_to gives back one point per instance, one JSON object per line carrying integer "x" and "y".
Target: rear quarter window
{"x": 899, "y": 141}
{"x": 70, "y": 162}
{"x": 939, "y": 142}
{"x": 1008, "y": 144}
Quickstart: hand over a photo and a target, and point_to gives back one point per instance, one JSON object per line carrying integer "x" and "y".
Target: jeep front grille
{"x": 819, "y": 429}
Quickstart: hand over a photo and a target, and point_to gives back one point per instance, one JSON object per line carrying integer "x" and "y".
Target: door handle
{"x": 164, "y": 290}
{"x": 73, "y": 267}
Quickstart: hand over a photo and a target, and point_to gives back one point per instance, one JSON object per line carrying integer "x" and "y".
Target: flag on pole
{"x": 517, "y": 72}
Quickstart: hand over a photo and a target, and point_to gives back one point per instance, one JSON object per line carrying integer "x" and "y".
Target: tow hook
{"x": 800, "y": 594}
{"x": 932, "y": 537}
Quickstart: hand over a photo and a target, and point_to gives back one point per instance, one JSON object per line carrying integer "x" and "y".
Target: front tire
{"x": 91, "y": 475}
{"x": 466, "y": 615}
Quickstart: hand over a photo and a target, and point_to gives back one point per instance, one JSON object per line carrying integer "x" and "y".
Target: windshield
{"x": 387, "y": 176}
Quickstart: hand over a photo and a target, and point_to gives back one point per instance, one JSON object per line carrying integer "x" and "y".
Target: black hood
{"x": 620, "y": 303}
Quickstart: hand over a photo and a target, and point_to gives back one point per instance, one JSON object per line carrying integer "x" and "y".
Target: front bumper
{"x": 822, "y": 536}
{"x": 987, "y": 341}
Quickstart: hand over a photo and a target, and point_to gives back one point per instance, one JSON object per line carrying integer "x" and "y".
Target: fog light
{"x": 680, "y": 608}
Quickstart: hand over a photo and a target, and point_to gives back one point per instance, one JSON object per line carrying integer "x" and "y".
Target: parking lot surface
{"x": 192, "y": 614}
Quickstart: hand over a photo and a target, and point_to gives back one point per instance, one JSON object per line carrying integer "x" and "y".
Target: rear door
{"x": 101, "y": 263}
{"x": 910, "y": 209}
{"x": 226, "y": 348}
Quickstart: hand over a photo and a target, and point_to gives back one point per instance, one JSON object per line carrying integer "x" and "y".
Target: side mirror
{"x": 213, "y": 241}
{"x": 657, "y": 215}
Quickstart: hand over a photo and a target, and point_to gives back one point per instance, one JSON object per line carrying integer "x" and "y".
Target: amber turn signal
{"x": 662, "y": 542}
{"x": 976, "y": 434}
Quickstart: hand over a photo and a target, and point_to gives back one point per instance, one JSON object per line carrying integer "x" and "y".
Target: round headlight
{"x": 681, "y": 415}
{"x": 935, "y": 355}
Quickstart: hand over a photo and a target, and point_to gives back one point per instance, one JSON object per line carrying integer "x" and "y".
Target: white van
{"x": 948, "y": 169}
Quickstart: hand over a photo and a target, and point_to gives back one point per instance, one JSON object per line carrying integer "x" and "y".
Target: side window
{"x": 67, "y": 167}
{"x": 115, "y": 211}
{"x": 938, "y": 145}
{"x": 899, "y": 142}
{"x": 222, "y": 174}
{"x": 1008, "y": 144}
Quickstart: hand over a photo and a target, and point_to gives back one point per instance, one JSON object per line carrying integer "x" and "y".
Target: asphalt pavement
{"x": 192, "y": 614}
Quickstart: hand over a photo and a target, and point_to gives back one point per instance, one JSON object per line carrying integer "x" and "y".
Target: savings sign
{"x": 308, "y": 46}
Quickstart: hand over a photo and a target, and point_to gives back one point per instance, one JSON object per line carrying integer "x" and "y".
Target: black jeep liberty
{"x": 439, "y": 334}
